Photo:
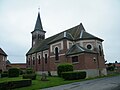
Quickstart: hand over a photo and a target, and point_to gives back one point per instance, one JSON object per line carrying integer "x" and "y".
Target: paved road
{"x": 109, "y": 83}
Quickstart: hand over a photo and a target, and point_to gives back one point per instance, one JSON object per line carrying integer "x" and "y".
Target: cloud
{"x": 18, "y": 18}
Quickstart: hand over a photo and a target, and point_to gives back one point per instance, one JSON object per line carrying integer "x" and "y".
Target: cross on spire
{"x": 39, "y": 9}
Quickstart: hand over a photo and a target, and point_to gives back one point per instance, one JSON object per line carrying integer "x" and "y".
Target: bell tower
{"x": 38, "y": 34}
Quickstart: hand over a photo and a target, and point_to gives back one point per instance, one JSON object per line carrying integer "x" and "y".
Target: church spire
{"x": 38, "y": 25}
{"x": 38, "y": 34}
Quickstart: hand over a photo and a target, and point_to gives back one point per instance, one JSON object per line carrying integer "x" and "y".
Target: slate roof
{"x": 75, "y": 33}
{"x": 77, "y": 49}
{"x": 2, "y": 52}
{"x": 38, "y": 25}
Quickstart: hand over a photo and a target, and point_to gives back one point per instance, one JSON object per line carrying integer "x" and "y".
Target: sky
{"x": 18, "y": 17}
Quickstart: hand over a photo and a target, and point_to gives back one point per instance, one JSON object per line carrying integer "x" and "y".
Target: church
{"x": 75, "y": 45}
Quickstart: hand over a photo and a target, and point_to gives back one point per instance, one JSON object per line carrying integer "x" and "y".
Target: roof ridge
{"x": 80, "y": 47}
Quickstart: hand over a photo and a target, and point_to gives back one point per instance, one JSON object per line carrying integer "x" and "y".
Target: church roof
{"x": 76, "y": 49}
{"x": 2, "y": 52}
{"x": 75, "y": 33}
{"x": 38, "y": 25}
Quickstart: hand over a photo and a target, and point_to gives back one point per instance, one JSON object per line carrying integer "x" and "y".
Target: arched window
{"x": 29, "y": 61}
{"x": 45, "y": 58}
{"x": 100, "y": 50}
{"x": 56, "y": 54}
{"x": 38, "y": 36}
{"x": 39, "y": 59}
{"x": 33, "y": 60}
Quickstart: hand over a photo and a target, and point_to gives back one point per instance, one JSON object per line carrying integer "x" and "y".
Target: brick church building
{"x": 74, "y": 45}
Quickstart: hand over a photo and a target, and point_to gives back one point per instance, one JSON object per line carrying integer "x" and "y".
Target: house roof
{"x": 76, "y": 49}
{"x": 2, "y": 52}
{"x": 75, "y": 33}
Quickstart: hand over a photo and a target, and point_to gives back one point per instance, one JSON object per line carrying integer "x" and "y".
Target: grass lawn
{"x": 10, "y": 79}
{"x": 52, "y": 81}
{"x": 38, "y": 84}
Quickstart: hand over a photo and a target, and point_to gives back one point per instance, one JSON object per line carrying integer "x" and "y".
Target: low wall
{"x": 90, "y": 72}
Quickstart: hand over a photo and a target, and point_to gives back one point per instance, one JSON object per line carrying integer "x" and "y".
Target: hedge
{"x": 14, "y": 84}
{"x": 74, "y": 75}
{"x": 64, "y": 68}
{"x": 29, "y": 76}
{"x": 29, "y": 71}
{"x": 0, "y": 71}
{"x": 13, "y": 72}
{"x": 4, "y": 75}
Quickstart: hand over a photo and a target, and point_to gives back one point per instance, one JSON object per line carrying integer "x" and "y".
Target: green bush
{"x": 111, "y": 68}
{"x": 29, "y": 71}
{"x": 13, "y": 72}
{"x": 4, "y": 75}
{"x": 5, "y": 71}
{"x": 14, "y": 84}
{"x": 20, "y": 71}
{"x": 29, "y": 76}
{"x": 0, "y": 71}
{"x": 74, "y": 75}
{"x": 64, "y": 68}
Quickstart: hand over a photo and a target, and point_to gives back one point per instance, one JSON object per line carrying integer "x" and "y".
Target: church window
{"x": 100, "y": 50}
{"x": 70, "y": 45}
{"x": 29, "y": 61}
{"x": 75, "y": 59}
{"x": 45, "y": 58}
{"x": 39, "y": 59}
{"x": 33, "y": 60}
{"x": 38, "y": 36}
{"x": 43, "y": 36}
{"x": 34, "y": 37}
{"x": 56, "y": 54}
{"x": 89, "y": 46}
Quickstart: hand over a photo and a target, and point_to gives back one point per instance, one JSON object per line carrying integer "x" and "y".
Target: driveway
{"x": 108, "y": 83}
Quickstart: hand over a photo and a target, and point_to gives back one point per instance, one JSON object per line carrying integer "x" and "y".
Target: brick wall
{"x": 3, "y": 62}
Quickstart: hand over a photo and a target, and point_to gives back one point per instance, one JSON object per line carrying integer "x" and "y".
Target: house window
{"x": 33, "y": 60}
{"x": 75, "y": 59}
{"x": 39, "y": 59}
{"x": 56, "y": 54}
{"x": 45, "y": 58}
